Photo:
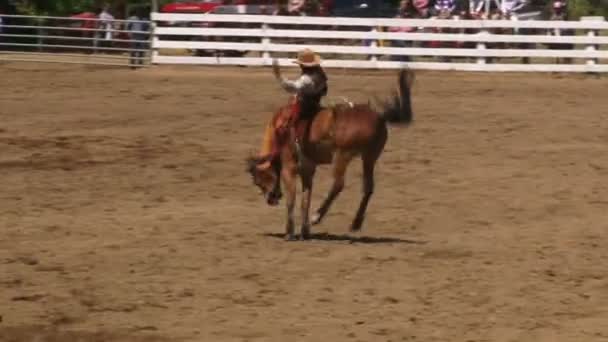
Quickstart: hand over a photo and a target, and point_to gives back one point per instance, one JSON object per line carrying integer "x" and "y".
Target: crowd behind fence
{"x": 231, "y": 39}
{"x": 441, "y": 44}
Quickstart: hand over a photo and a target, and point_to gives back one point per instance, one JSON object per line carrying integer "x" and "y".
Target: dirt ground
{"x": 126, "y": 213}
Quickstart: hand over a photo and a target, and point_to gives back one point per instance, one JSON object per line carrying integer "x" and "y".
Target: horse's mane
{"x": 268, "y": 136}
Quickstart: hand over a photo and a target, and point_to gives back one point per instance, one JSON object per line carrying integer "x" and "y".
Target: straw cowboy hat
{"x": 308, "y": 58}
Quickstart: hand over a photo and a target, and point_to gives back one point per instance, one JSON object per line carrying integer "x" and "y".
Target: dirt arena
{"x": 127, "y": 215}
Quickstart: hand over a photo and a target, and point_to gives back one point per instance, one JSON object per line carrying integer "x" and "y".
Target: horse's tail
{"x": 398, "y": 109}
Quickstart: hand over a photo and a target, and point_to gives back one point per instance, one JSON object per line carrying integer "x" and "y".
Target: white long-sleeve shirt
{"x": 106, "y": 22}
{"x": 510, "y": 6}
{"x": 304, "y": 85}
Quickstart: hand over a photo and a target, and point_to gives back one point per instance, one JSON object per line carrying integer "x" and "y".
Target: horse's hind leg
{"x": 341, "y": 161}
{"x": 368, "y": 190}
{"x": 369, "y": 158}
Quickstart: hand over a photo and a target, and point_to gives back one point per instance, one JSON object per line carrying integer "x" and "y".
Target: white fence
{"x": 448, "y": 44}
{"x": 74, "y": 40}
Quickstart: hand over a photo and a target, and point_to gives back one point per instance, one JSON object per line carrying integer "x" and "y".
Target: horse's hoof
{"x": 356, "y": 226}
{"x": 290, "y": 237}
{"x": 315, "y": 219}
{"x": 305, "y": 234}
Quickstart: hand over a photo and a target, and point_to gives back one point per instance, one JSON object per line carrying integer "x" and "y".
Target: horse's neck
{"x": 267, "y": 140}
{"x": 269, "y": 132}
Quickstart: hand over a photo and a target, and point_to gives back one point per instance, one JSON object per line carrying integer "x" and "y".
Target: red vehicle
{"x": 190, "y": 7}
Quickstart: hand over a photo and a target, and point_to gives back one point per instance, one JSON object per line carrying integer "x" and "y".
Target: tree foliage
{"x": 578, "y": 8}
{"x": 69, "y": 7}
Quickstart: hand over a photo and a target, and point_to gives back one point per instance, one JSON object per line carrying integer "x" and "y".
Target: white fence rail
{"x": 448, "y": 44}
{"x": 74, "y": 40}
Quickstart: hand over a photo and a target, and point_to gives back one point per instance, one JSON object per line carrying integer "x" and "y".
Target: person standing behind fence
{"x": 444, "y": 8}
{"x": 510, "y": 8}
{"x": 106, "y": 22}
{"x": 296, "y": 7}
{"x": 280, "y": 8}
{"x": 406, "y": 11}
{"x": 138, "y": 29}
{"x": 559, "y": 12}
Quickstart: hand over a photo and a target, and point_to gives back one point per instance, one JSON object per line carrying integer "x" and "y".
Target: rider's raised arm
{"x": 304, "y": 84}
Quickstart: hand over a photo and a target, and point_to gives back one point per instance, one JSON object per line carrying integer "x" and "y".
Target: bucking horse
{"x": 336, "y": 135}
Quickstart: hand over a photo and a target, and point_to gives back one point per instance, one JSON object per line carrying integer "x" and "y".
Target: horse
{"x": 336, "y": 135}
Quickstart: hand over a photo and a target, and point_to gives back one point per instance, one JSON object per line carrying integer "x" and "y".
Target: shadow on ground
{"x": 350, "y": 238}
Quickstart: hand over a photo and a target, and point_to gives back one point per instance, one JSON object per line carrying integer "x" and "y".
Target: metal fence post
{"x": 152, "y": 52}
{"x": 39, "y": 33}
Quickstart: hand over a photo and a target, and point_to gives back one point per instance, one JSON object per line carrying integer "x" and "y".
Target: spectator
{"x": 406, "y": 11}
{"x": 559, "y": 12}
{"x": 479, "y": 9}
{"x": 106, "y": 25}
{"x": 509, "y": 8}
{"x": 311, "y": 7}
{"x": 296, "y": 7}
{"x": 476, "y": 9}
{"x": 326, "y": 7}
{"x": 281, "y": 8}
{"x": 467, "y": 14}
{"x": 422, "y": 8}
{"x": 445, "y": 8}
{"x": 137, "y": 27}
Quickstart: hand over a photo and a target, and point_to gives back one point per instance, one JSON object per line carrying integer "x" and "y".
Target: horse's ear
{"x": 252, "y": 163}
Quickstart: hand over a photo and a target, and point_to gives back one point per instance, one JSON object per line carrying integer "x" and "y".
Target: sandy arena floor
{"x": 127, "y": 215}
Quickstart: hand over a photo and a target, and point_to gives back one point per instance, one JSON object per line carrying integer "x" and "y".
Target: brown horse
{"x": 336, "y": 134}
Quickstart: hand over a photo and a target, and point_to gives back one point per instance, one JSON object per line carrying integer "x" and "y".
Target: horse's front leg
{"x": 307, "y": 176}
{"x": 289, "y": 180}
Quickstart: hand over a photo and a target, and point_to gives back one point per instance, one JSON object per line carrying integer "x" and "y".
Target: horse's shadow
{"x": 350, "y": 238}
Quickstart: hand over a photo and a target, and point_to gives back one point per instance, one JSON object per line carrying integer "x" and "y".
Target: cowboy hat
{"x": 308, "y": 58}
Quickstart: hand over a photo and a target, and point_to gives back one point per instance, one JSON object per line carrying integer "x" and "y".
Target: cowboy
{"x": 308, "y": 90}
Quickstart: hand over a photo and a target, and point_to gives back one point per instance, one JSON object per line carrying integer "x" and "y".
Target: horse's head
{"x": 265, "y": 178}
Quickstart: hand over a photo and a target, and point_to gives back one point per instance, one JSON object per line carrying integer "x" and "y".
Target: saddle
{"x": 289, "y": 124}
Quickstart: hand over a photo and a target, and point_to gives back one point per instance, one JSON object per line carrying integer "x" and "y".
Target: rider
{"x": 308, "y": 90}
